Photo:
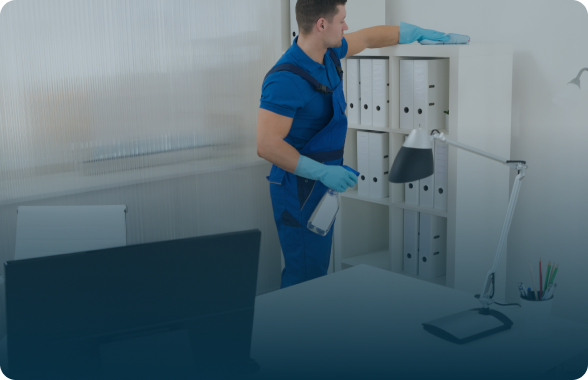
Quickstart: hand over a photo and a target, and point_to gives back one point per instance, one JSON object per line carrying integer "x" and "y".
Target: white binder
{"x": 353, "y": 105}
{"x": 363, "y": 164}
{"x": 380, "y": 98}
{"x": 411, "y": 191}
{"x": 441, "y": 155}
{"x": 410, "y": 262}
{"x": 427, "y": 189}
{"x": 294, "y": 32}
{"x": 431, "y": 93}
{"x": 432, "y": 245}
{"x": 378, "y": 164}
{"x": 406, "y": 94}
{"x": 366, "y": 90}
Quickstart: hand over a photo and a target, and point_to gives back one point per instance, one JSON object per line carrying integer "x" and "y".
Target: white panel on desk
{"x": 366, "y": 91}
{"x": 406, "y": 94}
{"x": 441, "y": 154}
{"x": 410, "y": 261}
{"x": 379, "y": 164}
{"x": 427, "y": 189}
{"x": 381, "y": 87}
{"x": 363, "y": 164}
{"x": 51, "y": 230}
{"x": 353, "y": 105}
{"x": 293, "y": 24}
{"x": 432, "y": 245}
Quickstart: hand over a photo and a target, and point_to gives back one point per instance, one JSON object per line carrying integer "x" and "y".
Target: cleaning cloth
{"x": 454, "y": 39}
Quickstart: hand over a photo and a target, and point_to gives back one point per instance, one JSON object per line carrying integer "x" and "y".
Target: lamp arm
{"x": 442, "y": 137}
{"x": 485, "y": 297}
{"x": 576, "y": 80}
{"x": 581, "y": 71}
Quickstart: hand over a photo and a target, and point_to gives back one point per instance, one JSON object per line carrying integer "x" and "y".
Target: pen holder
{"x": 536, "y": 323}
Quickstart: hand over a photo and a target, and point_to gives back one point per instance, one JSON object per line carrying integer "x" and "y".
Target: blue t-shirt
{"x": 290, "y": 95}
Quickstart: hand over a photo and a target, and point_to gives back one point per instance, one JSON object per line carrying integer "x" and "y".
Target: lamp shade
{"x": 569, "y": 96}
{"x": 414, "y": 161}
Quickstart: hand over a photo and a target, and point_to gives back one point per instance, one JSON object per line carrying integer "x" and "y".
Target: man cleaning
{"x": 301, "y": 126}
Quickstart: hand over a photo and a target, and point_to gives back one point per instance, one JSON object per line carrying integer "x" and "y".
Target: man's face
{"x": 334, "y": 30}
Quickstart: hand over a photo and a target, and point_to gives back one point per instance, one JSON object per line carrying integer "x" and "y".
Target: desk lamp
{"x": 414, "y": 162}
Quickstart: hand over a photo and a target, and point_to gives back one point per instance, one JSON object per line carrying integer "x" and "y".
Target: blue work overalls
{"x": 307, "y": 254}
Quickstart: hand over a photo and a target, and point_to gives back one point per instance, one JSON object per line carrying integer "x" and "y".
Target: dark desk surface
{"x": 365, "y": 322}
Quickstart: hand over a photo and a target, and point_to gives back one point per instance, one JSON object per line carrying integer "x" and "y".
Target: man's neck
{"x": 313, "y": 48}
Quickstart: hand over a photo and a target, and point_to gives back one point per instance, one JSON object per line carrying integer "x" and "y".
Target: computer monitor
{"x": 180, "y": 309}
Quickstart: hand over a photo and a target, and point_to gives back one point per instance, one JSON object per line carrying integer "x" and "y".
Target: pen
{"x": 540, "y": 279}
{"x": 521, "y": 289}
{"x": 547, "y": 274}
{"x": 546, "y": 293}
{"x": 554, "y": 273}
{"x": 551, "y": 292}
{"x": 533, "y": 278}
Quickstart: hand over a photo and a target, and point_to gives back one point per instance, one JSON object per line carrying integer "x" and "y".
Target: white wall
{"x": 364, "y": 14}
{"x": 550, "y": 47}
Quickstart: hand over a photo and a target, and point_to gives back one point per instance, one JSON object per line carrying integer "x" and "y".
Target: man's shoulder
{"x": 284, "y": 80}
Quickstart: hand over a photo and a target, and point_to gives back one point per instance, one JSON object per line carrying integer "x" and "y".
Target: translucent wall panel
{"x": 118, "y": 94}
{"x": 96, "y": 87}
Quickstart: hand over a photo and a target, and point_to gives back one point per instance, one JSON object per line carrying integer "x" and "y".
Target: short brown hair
{"x": 309, "y": 11}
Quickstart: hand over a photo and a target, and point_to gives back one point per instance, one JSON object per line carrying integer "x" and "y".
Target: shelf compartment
{"x": 369, "y": 128}
{"x": 379, "y": 259}
{"x": 361, "y": 228}
{"x": 441, "y": 280}
{"x": 352, "y": 194}
{"x": 440, "y": 51}
{"x": 426, "y": 210}
{"x": 404, "y": 131}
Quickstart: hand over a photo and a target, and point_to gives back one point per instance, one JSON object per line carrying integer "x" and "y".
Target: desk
{"x": 365, "y": 323}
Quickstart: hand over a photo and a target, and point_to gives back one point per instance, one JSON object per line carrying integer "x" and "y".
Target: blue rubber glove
{"x": 410, "y": 33}
{"x": 333, "y": 177}
{"x": 454, "y": 39}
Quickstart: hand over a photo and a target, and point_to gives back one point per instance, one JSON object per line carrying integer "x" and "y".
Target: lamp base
{"x": 468, "y": 325}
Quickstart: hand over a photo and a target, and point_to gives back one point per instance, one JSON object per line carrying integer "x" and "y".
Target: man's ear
{"x": 321, "y": 24}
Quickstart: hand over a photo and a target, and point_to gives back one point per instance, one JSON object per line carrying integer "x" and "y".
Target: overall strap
{"x": 302, "y": 73}
{"x": 337, "y": 63}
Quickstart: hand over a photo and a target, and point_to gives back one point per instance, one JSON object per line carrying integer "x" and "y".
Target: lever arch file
{"x": 410, "y": 262}
{"x": 353, "y": 106}
{"x": 432, "y": 245}
{"x": 366, "y": 90}
{"x": 411, "y": 191}
{"x": 378, "y": 164}
{"x": 427, "y": 189}
{"x": 406, "y": 93}
{"x": 441, "y": 155}
{"x": 381, "y": 91}
{"x": 363, "y": 164}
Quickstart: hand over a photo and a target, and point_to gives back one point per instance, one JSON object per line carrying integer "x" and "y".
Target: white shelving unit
{"x": 370, "y": 231}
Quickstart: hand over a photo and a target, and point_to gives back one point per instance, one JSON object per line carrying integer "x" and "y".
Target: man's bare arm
{"x": 271, "y": 131}
{"x": 372, "y": 38}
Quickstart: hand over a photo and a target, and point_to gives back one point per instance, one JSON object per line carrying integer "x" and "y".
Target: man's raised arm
{"x": 371, "y": 38}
